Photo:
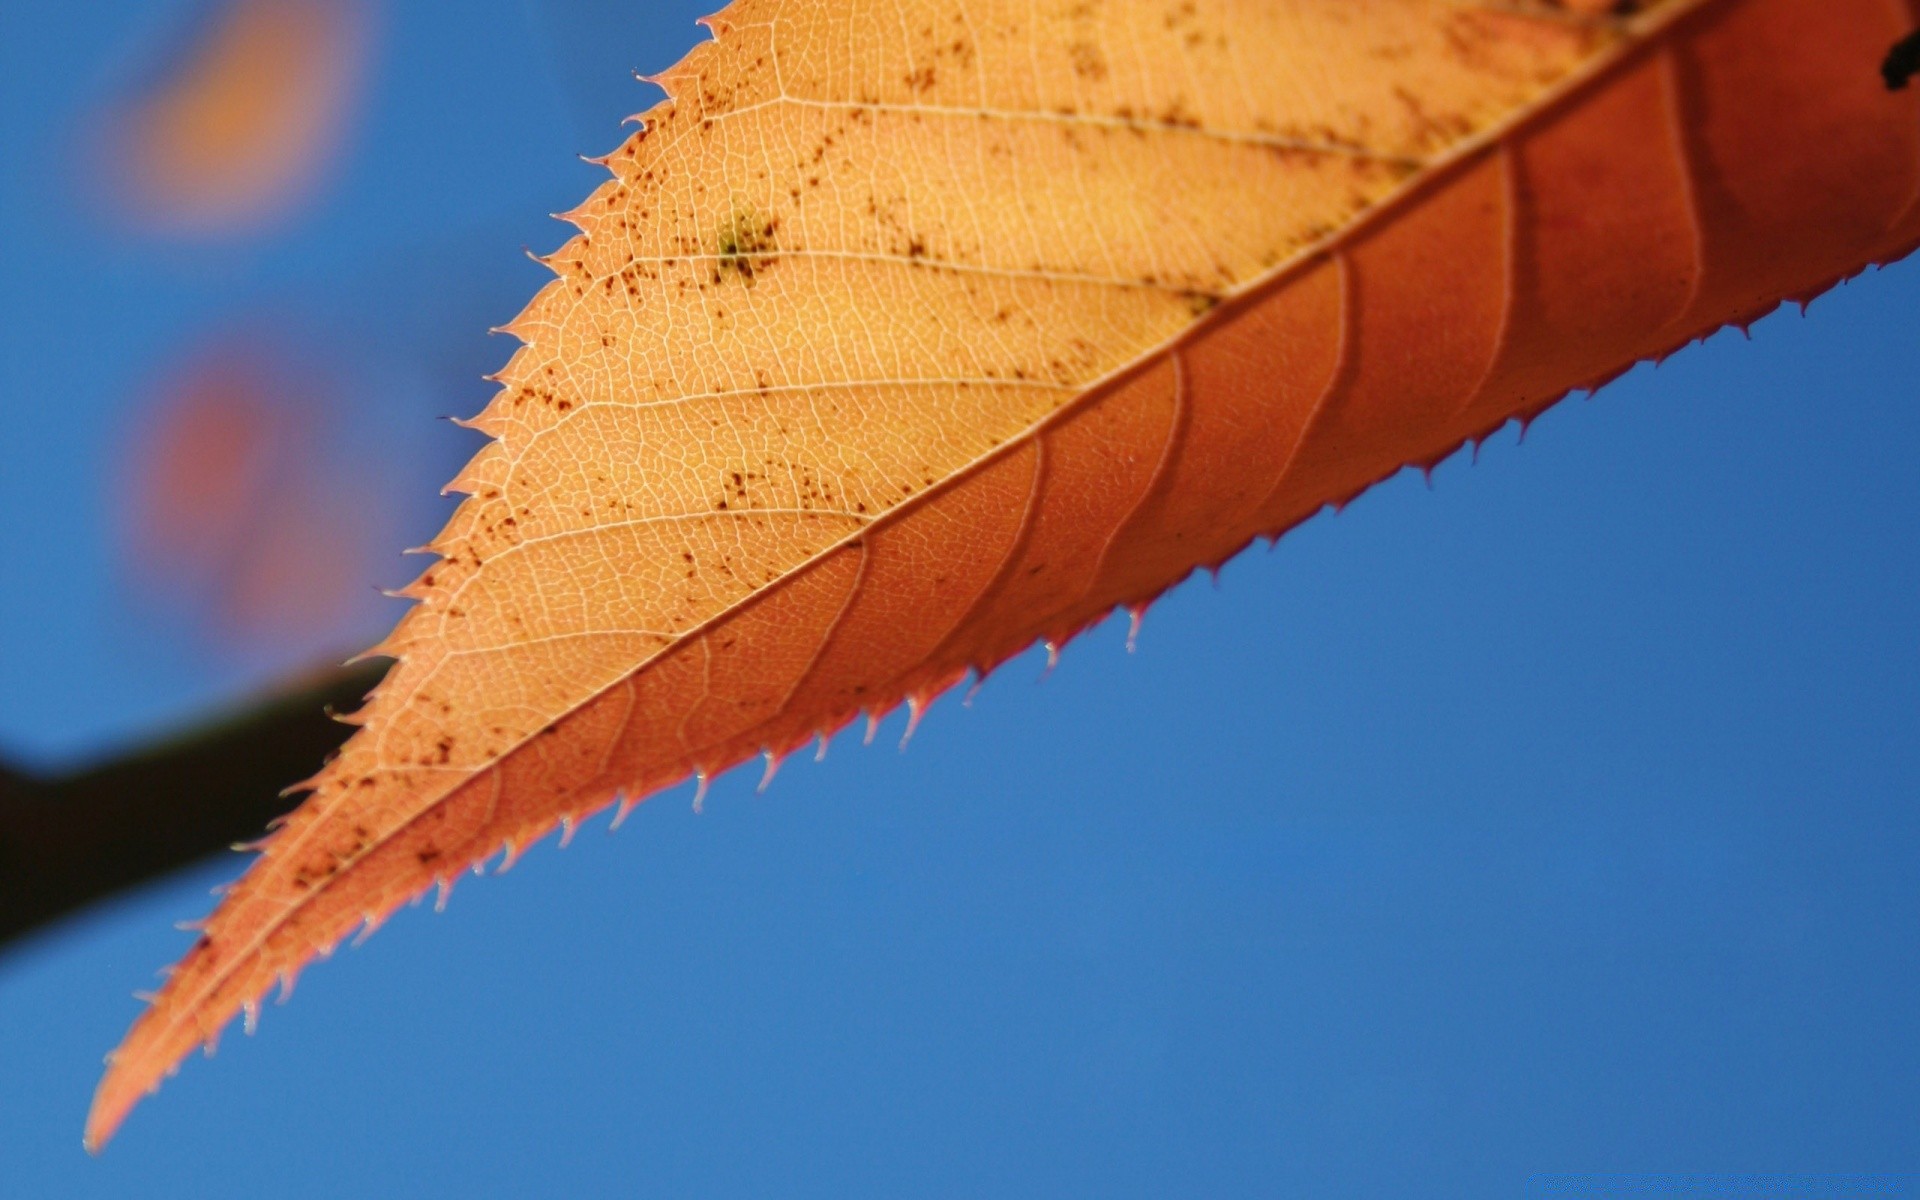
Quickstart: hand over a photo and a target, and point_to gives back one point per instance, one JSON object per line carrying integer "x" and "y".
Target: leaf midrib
{"x": 1636, "y": 34}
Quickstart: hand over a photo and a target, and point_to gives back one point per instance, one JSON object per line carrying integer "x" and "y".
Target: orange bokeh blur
{"x": 245, "y": 126}
{"x": 235, "y": 521}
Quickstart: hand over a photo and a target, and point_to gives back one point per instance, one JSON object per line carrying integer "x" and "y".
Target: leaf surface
{"x": 905, "y": 335}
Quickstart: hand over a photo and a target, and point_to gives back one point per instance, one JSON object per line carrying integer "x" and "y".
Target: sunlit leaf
{"x": 905, "y": 335}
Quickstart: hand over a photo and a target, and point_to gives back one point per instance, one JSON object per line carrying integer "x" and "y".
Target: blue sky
{"x": 1557, "y": 817}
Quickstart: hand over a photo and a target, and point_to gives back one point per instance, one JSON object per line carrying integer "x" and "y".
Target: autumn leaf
{"x": 903, "y": 337}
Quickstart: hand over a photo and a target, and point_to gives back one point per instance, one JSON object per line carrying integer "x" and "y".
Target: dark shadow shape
{"x": 1902, "y": 62}
{"x": 67, "y": 842}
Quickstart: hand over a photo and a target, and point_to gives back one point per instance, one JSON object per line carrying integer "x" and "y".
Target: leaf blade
{"x": 848, "y": 458}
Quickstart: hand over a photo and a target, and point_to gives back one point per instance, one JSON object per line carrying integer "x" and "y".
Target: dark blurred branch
{"x": 66, "y": 842}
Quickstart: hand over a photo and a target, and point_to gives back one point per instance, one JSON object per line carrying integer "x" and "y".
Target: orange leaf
{"x": 902, "y": 338}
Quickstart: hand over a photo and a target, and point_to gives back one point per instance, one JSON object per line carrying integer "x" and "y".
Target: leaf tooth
{"x": 627, "y": 802}
{"x": 916, "y": 707}
{"x": 509, "y": 855}
{"x": 686, "y": 71}
{"x": 773, "y": 768}
{"x": 512, "y": 328}
{"x": 392, "y": 646}
{"x": 370, "y": 923}
{"x": 471, "y": 479}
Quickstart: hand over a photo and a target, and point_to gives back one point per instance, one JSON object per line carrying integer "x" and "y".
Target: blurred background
{"x": 1556, "y": 818}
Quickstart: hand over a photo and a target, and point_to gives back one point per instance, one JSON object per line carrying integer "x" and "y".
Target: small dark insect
{"x": 1902, "y": 62}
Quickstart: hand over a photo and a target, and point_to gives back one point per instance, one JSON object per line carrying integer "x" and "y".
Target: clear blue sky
{"x": 1558, "y": 818}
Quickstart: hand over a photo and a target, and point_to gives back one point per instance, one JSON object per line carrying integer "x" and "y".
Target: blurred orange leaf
{"x": 246, "y": 124}
{"x": 238, "y": 520}
{"x": 904, "y": 336}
